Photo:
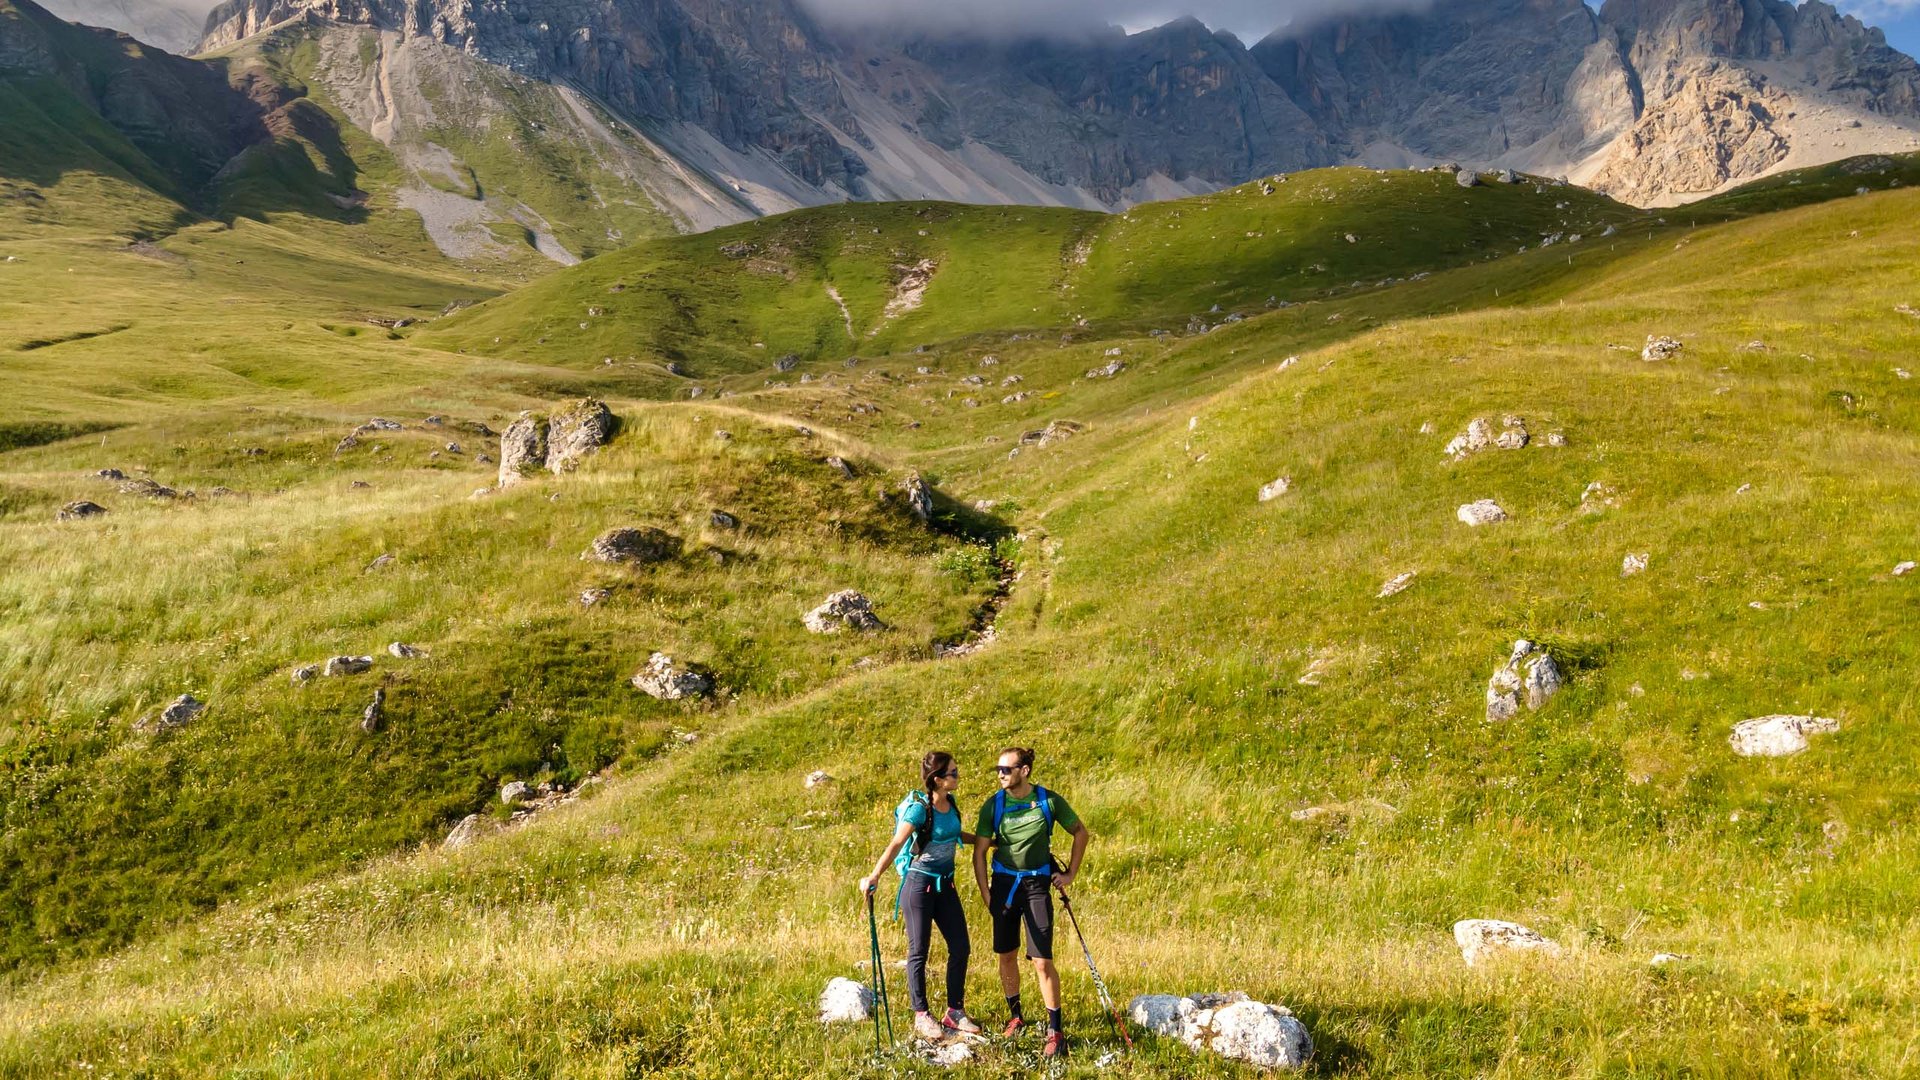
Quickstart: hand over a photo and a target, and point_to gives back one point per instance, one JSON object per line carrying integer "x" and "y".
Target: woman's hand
{"x": 866, "y": 885}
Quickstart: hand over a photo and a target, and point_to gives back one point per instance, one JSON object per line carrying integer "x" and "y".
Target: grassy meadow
{"x": 262, "y": 893}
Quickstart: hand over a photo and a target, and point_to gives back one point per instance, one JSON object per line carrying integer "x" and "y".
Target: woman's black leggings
{"x": 923, "y": 907}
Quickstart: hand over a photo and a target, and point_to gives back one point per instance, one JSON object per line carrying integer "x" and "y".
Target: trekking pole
{"x": 879, "y": 978}
{"x": 1114, "y": 1019}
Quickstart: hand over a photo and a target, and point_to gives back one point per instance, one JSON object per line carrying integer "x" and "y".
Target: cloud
{"x": 1249, "y": 20}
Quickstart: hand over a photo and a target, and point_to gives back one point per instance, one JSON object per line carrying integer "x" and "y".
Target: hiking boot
{"x": 926, "y": 1027}
{"x": 958, "y": 1020}
{"x": 1056, "y": 1045}
{"x": 1015, "y": 1028}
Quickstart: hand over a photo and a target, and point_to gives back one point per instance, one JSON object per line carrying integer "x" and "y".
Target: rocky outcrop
{"x": 843, "y": 610}
{"x": 634, "y": 546}
{"x": 1530, "y": 676}
{"x": 576, "y": 431}
{"x": 666, "y": 680}
{"x": 79, "y": 510}
{"x": 523, "y": 449}
{"x": 178, "y": 714}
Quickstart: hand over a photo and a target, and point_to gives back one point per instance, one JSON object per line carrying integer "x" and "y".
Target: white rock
{"x": 349, "y": 665}
{"x": 1634, "y": 564}
{"x": 945, "y": 1054}
{"x": 1555, "y": 438}
{"x": 818, "y": 778}
{"x": 471, "y": 828}
{"x": 1660, "y": 348}
{"x": 1230, "y": 1025}
{"x": 1903, "y": 569}
{"x": 845, "y": 1002}
{"x": 1399, "y": 584}
{"x": 1485, "y": 939}
{"x": 668, "y": 681}
{"x": 1530, "y": 675}
{"x": 1662, "y": 959}
{"x": 919, "y": 498}
{"x": 400, "y": 650}
{"x": 516, "y": 792}
{"x": 1777, "y": 736}
{"x": 1483, "y": 512}
{"x": 1270, "y": 492}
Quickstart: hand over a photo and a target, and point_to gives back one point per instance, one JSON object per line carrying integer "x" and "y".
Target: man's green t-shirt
{"x": 1025, "y": 842}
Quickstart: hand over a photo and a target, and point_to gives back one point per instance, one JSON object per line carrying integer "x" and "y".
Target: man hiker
{"x": 1015, "y": 832}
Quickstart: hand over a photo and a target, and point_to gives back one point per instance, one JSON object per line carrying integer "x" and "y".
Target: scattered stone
{"x": 1514, "y": 436}
{"x": 375, "y": 716}
{"x": 1530, "y": 674}
{"x": 1907, "y": 309}
{"x": 1555, "y": 438}
{"x": 1778, "y": 736}
{"x": 1340, "y": 815}
{"x": 1108, "y": 371}
{"x": 1478, "y": 436}
{"x": 111, "y": 474}
{"x": 147, "y": 488}
{"x": 1662, "y": 959}
{"x": 841, "y": 610}
{"x": 1055, "y": 432}
{"x": 1660, "y": 348}
{"x": 668, "y": 681}
{"x": 305, "y": 673}
{"x": 1483, "y": 512}
{"x": 360, "y": 485}
{"x": 1467, "y": 178}
{"x": 1903, "y": 569}
{"x": 349, "y": 665}
{"x": 919, "y": 498}
{"x": 518, "y": 791}
{"x": 845, "y": 1002}
{"x": 75, "y": 511}
{"x": 1487, "y": 939}
{"x": 1398, "y": 585}
{"x": 1270, "y": 492}
{"x": 818, "y": 778}
{"x": 640, "y": 546}
{"x": 723, "y": 436}
{"x": 720, "y": 519}
{"x": 178, "y": 714}
{"x": 1506, "y": 176}
{"x": 1230, "y": 1025}
{"x": 471, "y": 828}
{"x": 378, "y": 424}
{"x": 345, "y": 444}
{"x": 1634, "y": 564}
{"x": 400, "y": 650}
{"x": 590, "y": 597}
{"x": 840, "y": 466}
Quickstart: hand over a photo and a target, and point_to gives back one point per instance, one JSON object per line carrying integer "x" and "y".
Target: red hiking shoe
{"x": 1015, "y": 1028}
{"x": 1056, "y": 1045}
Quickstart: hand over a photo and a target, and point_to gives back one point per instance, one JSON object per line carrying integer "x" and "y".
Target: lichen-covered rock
{"x": 349, "y": 665}
{"x": 576, "y": 431}
{"x": 1398, "y": 585}
{"x": 1272, "y": 491}
{"x": 662, "y": 678}
{"x": 842, "y": 610}
{"x": 1634, "y": 563}
{"x": 523, "y": 450}
{"x": 80, "y": 509}
{"x": 1485, "y": 939}
{"x": 1778, "y": 735}
{"x": 634, "y": 545}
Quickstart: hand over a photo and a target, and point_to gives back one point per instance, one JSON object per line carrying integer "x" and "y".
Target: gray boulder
{"x": 575, "y": 432}
{"x": 590, "y": 597}
{"x": 1506, "y": 176}
{"x": 523, "y": 450}
{"x": 1660, "y": 348}
{"x": 78, "y": 510}
{"x": 375, "y": 716}
{"x": 518, "y": 791}
{"x": 400, "y": 650}
{"x": 146, "y": 488}
{"x": 1483, "y": 512}
{"x": 919, "y": 499}
{"x": 668, "y": 681}
{"x": 720, "y": 519}
{"x": 842, "y": 610}
{"x": 845, "y": 1002}
{"x": 111, "y": 474}
{"x": 1467, "y": 178}
{"x": 178, "y": 714}
{"x": 1481, "y": 940}
{"x": 349, "y": 665}
{"x": 471, "y": 828}
{"x": 638, "y": 546}
{"x": 840, "y": 466}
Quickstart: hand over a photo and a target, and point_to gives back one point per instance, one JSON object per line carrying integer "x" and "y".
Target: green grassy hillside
{"x": 1193, "y": 665}
{"x": 735, "y": 300}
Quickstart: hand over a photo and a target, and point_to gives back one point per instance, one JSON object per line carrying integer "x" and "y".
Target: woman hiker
{"x": 1015, "y": 830}
{"x": 929, "y": 821}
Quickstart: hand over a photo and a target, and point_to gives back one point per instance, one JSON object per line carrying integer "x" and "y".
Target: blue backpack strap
{"x": 999, "y": 810}
{"x": 1046, "y": 805}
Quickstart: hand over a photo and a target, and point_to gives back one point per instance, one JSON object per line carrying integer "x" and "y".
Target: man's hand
{"x": 1063, "y": 879}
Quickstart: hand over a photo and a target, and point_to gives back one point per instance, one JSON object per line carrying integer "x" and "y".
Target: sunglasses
{"x": 1007, "y": 770}
{"x": 950, "y": 774}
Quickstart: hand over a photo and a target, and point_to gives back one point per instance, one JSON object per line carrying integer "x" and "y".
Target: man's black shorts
{"x": 1032, "y": 903}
